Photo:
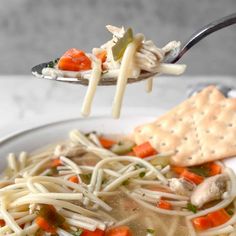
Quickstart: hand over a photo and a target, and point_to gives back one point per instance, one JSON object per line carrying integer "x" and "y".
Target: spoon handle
{"x": 204, "y": 31}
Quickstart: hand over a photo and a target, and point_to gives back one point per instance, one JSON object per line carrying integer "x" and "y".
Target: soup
{"x": 91, "y": 185}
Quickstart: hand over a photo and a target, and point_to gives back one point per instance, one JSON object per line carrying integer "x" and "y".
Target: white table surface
{"x": 26, "y": 102}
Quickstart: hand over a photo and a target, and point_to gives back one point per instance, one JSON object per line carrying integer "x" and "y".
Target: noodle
{"x": 124, "y": 74}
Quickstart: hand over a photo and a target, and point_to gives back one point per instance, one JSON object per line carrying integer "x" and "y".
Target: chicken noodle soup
{"x": 124, "y": 56}
{"x": 91, "y": 185}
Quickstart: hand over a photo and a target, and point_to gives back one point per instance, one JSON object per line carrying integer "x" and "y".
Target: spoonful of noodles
{"x": 126, "y": 58}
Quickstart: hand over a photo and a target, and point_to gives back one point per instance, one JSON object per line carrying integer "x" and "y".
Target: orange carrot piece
{"x": 102, "y": 55}
{"x": 74, "y": 60}
{"x": 218, "y": 217}
{"x": 2, "y": 223}
{"x": 56, "y": 163}
{"x": 178, "y": 169}
{"x": 106, "y": 143}
{"x": 119, "y": 231}
{"x": 97, "y": 232}
{"x": 214, "y": 169}
{"x": 164, "y": 205}
{"x": 202, "y": 223}
{"x": 144, "y": 150}
{"x": 74, "y": 179}
{"x": 197, "y": 179}
{"x": 44, "y": 225}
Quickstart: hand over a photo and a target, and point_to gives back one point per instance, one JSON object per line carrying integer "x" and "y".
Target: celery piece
{"x": 119, "y": 48}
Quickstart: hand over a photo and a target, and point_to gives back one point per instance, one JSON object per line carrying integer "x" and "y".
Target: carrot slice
{"x": 2, "y": 223}
{"x": 106, "y": 143}
{"x": 214, "y": 169}
{"x": 74, "y": 179}
{"x": 164, "y": 205}
{"x": 56, "y": 163}
{"x": 197, "y": 179}
{"x": 144, "y": 150}
{"x": 218, "y": 217}
{"x": 178, "y": 169}
{"x": 74, "y": 60}
{"x": 97, "y": 232}
{"x": 119, "y": 231}
{"x": 202, "y": 223}
{"x": 44, "y": 225}
{"x": 102, "y": 55}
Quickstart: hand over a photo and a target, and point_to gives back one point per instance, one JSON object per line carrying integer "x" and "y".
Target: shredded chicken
{"x": 70, "y": 152}
{"x": 209, "y": 190}
{"x": 148, "y": 57}
{"x": 181, "y": 186}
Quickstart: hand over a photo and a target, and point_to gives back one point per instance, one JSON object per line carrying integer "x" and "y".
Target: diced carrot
{"x": 2, "y": 223}
{"x": 218, "y": 217}
{"x": 44, "y": 225}
{"x": 164, "y": 205}
{"x": 197, "y": 179}
{"x": 144, "y": 150}
{"x": 74, "y": 60}
{"x": 74, "y": 179}
{"x": 97, "y": 232}
{"x": 106, "y": 143}
{"x": 178, "y": 169}
{"x": 202, "y": 223}
{"x": 214, "y": 169}
{"x": 102, "y": 55}
{"x": 56, "y": 163}
{"x": 119, "y": 231}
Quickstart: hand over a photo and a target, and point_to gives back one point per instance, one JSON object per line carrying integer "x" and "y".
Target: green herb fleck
{"x": 200, "y": 170}
{"x": 78, "y": 232}
{"x": 52, "y": 171}
{"x": 86, "y": 178}
{"x": 142, "y": 174}
{"x": 119, "y": 48}
{"x": 191, "y": 207}
{"x": 126, "y": 182}
{"x": 52, "y": 64}
{"x": 230, "y": 212}
{"x": 150, "y": 231}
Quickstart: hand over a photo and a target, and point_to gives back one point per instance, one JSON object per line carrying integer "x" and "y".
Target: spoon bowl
{"x": 37, "y": 72}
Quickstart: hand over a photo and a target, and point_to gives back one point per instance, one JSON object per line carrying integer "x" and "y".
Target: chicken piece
{"x": 209, "y": 190}
{"x": 181, "y": 186}
{"x": 70, "y": 152}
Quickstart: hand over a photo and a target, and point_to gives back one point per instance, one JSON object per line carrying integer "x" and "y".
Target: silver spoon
{"x": 172, "y": 57}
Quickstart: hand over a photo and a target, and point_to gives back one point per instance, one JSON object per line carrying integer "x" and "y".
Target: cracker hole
{"x": 207, "y": 131}
{"x": 190, "y": 158}
{"x": 180, "y": 119}
{"x": 221, "y": 137}
{"x": 202, "y": 112}
{"x": 185, "y": 138}
{"x": 212, "y": 151}
{"x": 151, "y": 137}
{"x": 214, "y": 118}
{"x": 230, "y": 125}
{"x": 172, "y": 131}
{"x": 163, "y": 144}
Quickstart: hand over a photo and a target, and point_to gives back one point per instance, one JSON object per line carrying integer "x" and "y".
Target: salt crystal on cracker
{"x": 199, "y": 130}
